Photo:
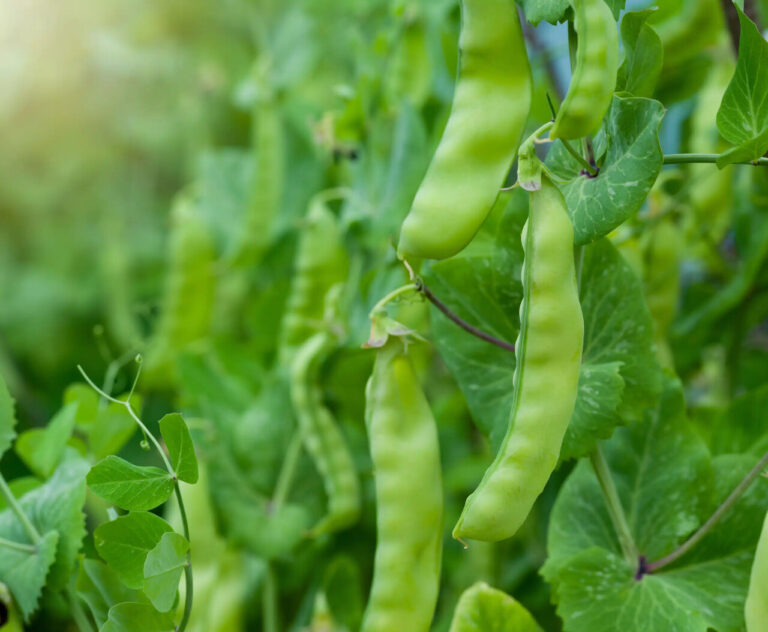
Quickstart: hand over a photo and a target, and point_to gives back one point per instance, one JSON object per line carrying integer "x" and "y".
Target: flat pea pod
{"x": 489, "y": 111}
{"x": 485, "y": 609}
{"x": 409, "y": 496}
{"x": 756, "y": 606}
{"x": 321, "y": 263}
{"x": 323, "y": 438}
{"x": 594, "y": 77}
{"x": 548, "y": 354}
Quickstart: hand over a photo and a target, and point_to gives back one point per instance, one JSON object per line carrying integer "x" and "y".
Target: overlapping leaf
{"x": 130, "y": 486}
{"x": 177, "y": 439}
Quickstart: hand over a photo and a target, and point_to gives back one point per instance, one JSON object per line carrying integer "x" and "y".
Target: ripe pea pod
{"x": 485, "y": 609}
{"x": 322, "y": 437}
{"x": 594, "y": 78}
{"x": 409, "y": 496}
{"x": 756, "y": 606}
{"x": 548, "y": 353}
{"x": 321, "y": 263}
{"x": 489, "y": 111}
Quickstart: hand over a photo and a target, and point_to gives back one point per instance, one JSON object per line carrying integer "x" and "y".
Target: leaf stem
{"x": 403, "y": 289}
{"x": 18, "y": 546}
{"x": 269, "y": 605}
{"x": 15, "y": 507}
{"x": 78, "y": 614}
{"x": 578, "y": 157}
{"x": 683, "y": 159}
{"x": 188, "y": 575}
{"x": 287, "y": 471}
{"x": 615, "y": 509}
{"x": 713, "y": 520}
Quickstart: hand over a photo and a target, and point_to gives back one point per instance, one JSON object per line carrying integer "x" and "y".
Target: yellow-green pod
{"x": 485, "y": 609}
{"x": 756, "y": 606}
{"x": 480, "y": 140}
{"x": 548, "y": 353}
{"x": 409, "y": 496}
{"x": 323, "y": 438}
{"x": 594, "y": 78}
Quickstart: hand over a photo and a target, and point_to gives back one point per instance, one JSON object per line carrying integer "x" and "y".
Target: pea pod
{"x": 409, "y": 496}
{"x": 756, "y": 606}
{"x": 548, "y": 353}
{"x": 594, "y": 77}
{"x": 489, "y": 111}
{"x": 485, "y": 609}
{"x": 321, "y": 263}
{"x": 322, "y": 438}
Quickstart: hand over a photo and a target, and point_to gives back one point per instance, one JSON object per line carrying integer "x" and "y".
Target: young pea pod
{"x": 548, "y": 353}
{"x": 594, "y": 78}
{"x": 485, "y": 609}
{"x": 322, "y": 437}
{"x": 321, "y": 263}
{"x": 409, "y": 496}
{"x": 756, "y": 607}
{"x": 489, "y": 111}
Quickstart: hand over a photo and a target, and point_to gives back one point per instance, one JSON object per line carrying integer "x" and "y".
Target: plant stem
{"x": 683, "y": 159}
{"x": 578, "y": 157}
{"x": 713, "y": 520}
{"x": 287, "y": 471}
{"x": 403, "y": 289}
{"x": 188, "y": 576}
{"x": 10, "y": 500}
{"x": 269, "y": 605}
{"x": 615, "y": 509}
{"x": 479, "y": 333}
{"x": 78, "y": 614}
{"x": 17, "y": 546}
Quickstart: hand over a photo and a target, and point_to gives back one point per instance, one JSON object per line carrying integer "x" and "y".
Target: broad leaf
{"x": 130, "y": 486}
{"x": 485, "y": 609}
{"x": 163, "y": 568}
{"x": 100, "y": 587}
{"x": 176, "y": 435}
{"x": 643, "y": 55}
{"x": 629, "y": 156}
{"x": 87, "y": 401}
{"x": 130, "y": 617}
{"x": 124, "y": 544}
{"x": 7, "y": 418}
{"x": 743, "y": 115}
{"x": 112, "y": 428}
{"x": 41, "y": 449}
{"x": 552, "y": 11}
{"x": 25, "y": 573}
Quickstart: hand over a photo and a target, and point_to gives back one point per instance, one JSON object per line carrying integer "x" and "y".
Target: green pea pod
{"x": 489, "y": 111}
{"x": 321, "y": 263}
{"x": 485, "y": 609}
{"x": 548, "y": 352}
{"x": 756, "y": 606}
{"x": 322, "y": 437}
{"x": 594, "y": 78}
{"x": 409, "y": 496}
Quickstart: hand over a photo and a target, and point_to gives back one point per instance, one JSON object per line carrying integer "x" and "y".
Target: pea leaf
{"x": 552, "y": 11}
{"x": 163, "y": 568}
{"x": 25, "y": 572}
{"x": 485, "y": 609}
{"x": 129, "y": 617}
{"x": 41, "y": 449}
{"x": 743, "y": 115}
{"x": 100, "y": 587}
{"x": 7, "y": 418}
{"x": 112, "y": 428}
{"x": 629, "y": 157}
{"x": 87, "y": 401}
{"x": 124, "y": 544}
{"x": 130, "y": 486}
{"x": 176, "y": 435}
{"x": 20, "y": 486}
{"x": 643, "y": 54}
{"x": 596, "y": 587}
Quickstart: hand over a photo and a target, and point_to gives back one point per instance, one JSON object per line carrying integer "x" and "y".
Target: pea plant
{"x": 460, "y": 311}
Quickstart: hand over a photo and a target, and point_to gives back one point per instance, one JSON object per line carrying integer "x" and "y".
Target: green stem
{"x": 18, "y": 546}
{"x": 287, "y": 471}
{"x": 270, "y": 621}
{"x": 404, "y": 289}
{"x": 78, "y": 614}
{"x": 714, "y": 518}
{"x": 578, "y": 157}
{"x": 616, "y": 511}
{"x": 10, "y": 500}
{"x": 683, "y": 159}
{"x": 188, "y": 576}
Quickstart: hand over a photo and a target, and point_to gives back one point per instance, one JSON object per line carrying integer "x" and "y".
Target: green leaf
{"x": 25, "y": 573}
{"x": 41, "y": 449}
{"x": 553, "y": 11}
{"x": 112, "y": 429}
{"x": 124, "y": 544}
{"x": 341, "y": 585}
{"x": 7, "y": 418}
{"x": 485, "y": 609}
{"x": 629, "y": 156}
{"x": 743, "y": 115}
{"x": 100, "y": 588}
{"x": 742, "y": 428}
{"x": 130, "y": 617}
{"x": 87, "y": 401}
{"x": 163, "y": 568}
{"x": 130, "y": 486}
{"x": 180, "y": 447}
{"x": 662, "y": 458}
{"x": 643, "y": 55}
{"x": 20, "y": 486}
